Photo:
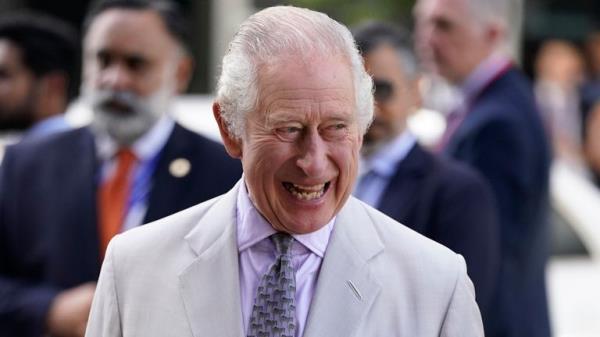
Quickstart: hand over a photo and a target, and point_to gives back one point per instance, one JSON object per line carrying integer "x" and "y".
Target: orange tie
{"x": 113, "y": 197}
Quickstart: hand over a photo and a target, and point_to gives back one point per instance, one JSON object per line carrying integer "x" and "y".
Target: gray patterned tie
{"x": 273, "y": 314}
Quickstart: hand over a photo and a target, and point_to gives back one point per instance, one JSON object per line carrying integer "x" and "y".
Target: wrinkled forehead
{"x": 312, "y": 78}
{"x": 310, "y": 92}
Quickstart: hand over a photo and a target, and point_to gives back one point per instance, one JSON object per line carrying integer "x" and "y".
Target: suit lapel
{"x": 167, "y": 191}
{"x": 346, "y": 289}
{"x": 398, "y": 199}
{"x": 475, "y": 117}
{"x": 76, "y": 227}
{"x": 209, "y": 286}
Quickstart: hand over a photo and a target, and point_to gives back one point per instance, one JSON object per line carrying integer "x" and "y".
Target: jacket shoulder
{"x": 403, "y": 246}
{"x": 160, "y": 234}
{"x": 48, "y": 145}
{"x": 196, "y": 147}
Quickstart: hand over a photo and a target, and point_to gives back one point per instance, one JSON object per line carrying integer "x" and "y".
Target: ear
{"x": 183, "y": 75}
{"x": 495, "y": 33}
{"x": 417, "y": 89}
{"x": 56, "y": 84}
{"x": 232, "y": 144}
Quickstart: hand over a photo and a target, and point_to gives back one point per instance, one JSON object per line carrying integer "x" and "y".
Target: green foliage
{"x": 352, "y": 12}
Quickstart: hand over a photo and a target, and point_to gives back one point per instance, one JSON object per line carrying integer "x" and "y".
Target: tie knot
{"x": 126, "y": 155}
{"x": 283, "y": 242}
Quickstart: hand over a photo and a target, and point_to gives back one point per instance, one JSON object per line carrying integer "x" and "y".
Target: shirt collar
{"x": 47, "y": 126}
{"x": 385, "y": 160}
{"x": 252, "y": 228}
{"x": 483, "y": 74}
{"x": 145, "y": 148}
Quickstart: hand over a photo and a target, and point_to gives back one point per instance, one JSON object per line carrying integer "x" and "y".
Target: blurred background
{"x": 558, "y": 47}
{"x": 215, "y": 21}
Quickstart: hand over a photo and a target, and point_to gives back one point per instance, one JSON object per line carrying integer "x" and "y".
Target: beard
{"x": 380, "y": 133}
{"x": 20, "y": 117}
{"x": 124, "y": 115}
{"x": 15, "y": 120}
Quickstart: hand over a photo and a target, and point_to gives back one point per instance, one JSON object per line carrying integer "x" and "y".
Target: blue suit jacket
{"x": 48, "y": 222}
{"x": 451, "y": 204}
{"x": 503, "y": 138}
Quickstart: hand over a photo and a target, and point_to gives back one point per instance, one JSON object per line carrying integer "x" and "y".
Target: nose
{"x": 313, "y": 158}
{"x": 116, "y": 77}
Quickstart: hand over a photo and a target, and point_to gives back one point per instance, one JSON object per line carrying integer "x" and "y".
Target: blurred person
{"x": 591, "y": 143}
{"x": 590, "y": 105}
{"x": 559, "y": 72}
{"x": 590, "y": 92}
{"x": 63, "y": 197}
{"x": 498, "y": 131}
{"x": 293, "y": 102}
{"x": 592, "y": 51}
{"x": 39, "y": 57}
{"x": 441, "y": 199}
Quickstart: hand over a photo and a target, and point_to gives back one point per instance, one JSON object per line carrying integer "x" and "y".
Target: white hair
{"x": 274, "y": 35}
{"x": 506, "y": 14}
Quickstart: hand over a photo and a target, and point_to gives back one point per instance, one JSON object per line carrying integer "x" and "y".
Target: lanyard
{"x": 142, "y": 182}
{"x": 456, "y": 118}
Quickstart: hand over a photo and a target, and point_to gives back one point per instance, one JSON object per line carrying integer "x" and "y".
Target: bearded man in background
{"x": 63, "y": 198}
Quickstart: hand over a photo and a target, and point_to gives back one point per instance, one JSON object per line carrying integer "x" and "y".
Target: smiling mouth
{"x": 305, "y": 192}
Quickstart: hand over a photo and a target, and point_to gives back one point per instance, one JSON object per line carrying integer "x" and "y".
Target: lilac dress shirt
{"x": 483, "y": 75}
{"x": 257, "y": 253}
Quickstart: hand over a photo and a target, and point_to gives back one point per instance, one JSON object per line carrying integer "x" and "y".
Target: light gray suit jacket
{"x": 179, "y": 277}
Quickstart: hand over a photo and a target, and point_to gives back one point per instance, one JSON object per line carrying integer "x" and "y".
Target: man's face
{"x": 300, "y": 149}
{"x": 131, "y": 71}
{"x": 396, "y": 95}
{"x": 449, "y": 39}
{"x": 17, "y": 89}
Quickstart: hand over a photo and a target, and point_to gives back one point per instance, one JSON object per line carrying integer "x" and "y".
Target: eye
{"x": 288, "y": 133}
{"x": 335, "y": 131}
{"x": 136, "y": 63}
{"x": 104, "y": 59}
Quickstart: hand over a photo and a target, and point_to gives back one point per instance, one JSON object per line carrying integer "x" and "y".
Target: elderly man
{"x": 38, "y": 59}
{"x": 286, "y": 252}
{"x": 62, "y": 198}
{"x": 444, "y": 200}
{"x": 498, "y": 131}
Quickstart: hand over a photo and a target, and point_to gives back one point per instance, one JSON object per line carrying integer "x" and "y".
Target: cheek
{"x": 265, "y": 156}
{"x": 345, "y": 157}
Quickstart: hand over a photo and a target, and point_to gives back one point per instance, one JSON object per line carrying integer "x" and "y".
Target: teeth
{"x": 313, "y": 188}
{"x": 306, "y": 192}
{"x": 307, "y": 196}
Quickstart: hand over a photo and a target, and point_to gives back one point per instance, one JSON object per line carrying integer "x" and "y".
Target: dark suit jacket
{"x": 451, "y": 204}
{"x": 48, "y": 230}
{"x": 502, "y": 137}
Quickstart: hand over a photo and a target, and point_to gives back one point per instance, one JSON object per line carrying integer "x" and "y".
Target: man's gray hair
{"x": 278, "y": 34}
{"x": 505, "y": 13}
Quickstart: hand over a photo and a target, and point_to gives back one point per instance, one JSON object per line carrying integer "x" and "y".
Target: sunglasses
{"x": 383, "y": 90}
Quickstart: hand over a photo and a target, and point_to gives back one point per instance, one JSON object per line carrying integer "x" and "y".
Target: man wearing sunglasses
{"x": 443, "y": 200}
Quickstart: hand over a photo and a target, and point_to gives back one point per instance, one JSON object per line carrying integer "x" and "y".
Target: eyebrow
{"x": 290, "y": 117}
